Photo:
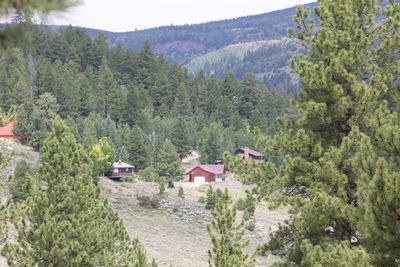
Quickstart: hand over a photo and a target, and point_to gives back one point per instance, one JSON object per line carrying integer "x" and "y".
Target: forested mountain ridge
{"x": 192, "y": 44}
{"x": 182, "y": 43}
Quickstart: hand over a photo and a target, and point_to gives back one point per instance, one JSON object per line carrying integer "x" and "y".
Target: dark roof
{"x": 210, "y": 168}
{"x": 122, "y": 165}
{"x": 251, "y": 152}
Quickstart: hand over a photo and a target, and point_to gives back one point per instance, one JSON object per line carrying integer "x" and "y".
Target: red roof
{"x": 212, "y": 168}
{"x": 7, "y": 130}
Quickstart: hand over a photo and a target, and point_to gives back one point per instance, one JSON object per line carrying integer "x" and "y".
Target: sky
{"x": 128, "y": 15}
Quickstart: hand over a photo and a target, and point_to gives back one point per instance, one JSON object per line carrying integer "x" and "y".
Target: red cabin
{"x": 7, "y": 131}
{"x": 206, "y": 173}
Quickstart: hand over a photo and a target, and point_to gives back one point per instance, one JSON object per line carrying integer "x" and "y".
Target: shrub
{"x": 149, "y": 175}
{"x": 149, "y": 202}
{"x": 202, "y": 200}
{"x": 162, "y": 187}
{"x": 250, "y": 203}
{"x": 19, "y": 185}
{"x": 175, "y": 209}
{"x": 181, "y": 194}
{"x": 250, "y": 226}
{"x": 240, "y": 204}
{"x": 213, "y": 197}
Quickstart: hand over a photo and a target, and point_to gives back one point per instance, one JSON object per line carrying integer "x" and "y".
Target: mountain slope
{"x": 268, "y": 60}
{"x": 255, "y": 44}
{"x": 183, "y": 43}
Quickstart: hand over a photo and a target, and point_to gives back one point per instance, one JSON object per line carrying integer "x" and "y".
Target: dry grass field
{"x": 176, "y": 232}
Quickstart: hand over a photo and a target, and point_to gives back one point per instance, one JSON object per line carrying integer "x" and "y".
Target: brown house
{"x": 250, "y": 154}
{"x": 206, "y": 173}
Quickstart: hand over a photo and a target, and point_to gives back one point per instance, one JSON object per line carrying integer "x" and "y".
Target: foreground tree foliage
{"x": 227, "y": 236}
{"x": 20, "y": 182}
{"x": 63, "y": 221}
{"x": 13, "y": 33}
{"x": 4, "y": 161}
{"x": 340, "y": 171}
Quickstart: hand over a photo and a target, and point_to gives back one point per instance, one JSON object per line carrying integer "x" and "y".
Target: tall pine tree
{"x": 180, "y": 138}
{"x": 227, "y": 236}
{"x": 340, "y": 163}
{"x": 64, "y": 222}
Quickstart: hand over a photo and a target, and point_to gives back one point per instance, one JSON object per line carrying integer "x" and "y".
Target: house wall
{"x": 123, "y": 170}
{"x": 10, "y": 137}
{"x": 209, "y": 177}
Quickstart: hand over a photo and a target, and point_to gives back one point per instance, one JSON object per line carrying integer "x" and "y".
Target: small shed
{"x": 250, "y": 154}
{"x": 7, "y": 131}
{"x": 206, "y": 173}
{"x": 121, "y": 169}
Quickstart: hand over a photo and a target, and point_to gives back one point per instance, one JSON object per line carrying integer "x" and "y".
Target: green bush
{"x": 161, "y": 187}
{"x": 250, "y": 203}
{"x": 149, "y": 202}
{"x": 250, "y": 226}
{"x": 212, "y": 197}
{"x": 181, "y": 194}
{"x": 202, "y": 200}
{"x": 240, "y": 204}
{"x": 149, "y": 175}
{"x": 20, "y": 183}
{"x": 175, "y": 209}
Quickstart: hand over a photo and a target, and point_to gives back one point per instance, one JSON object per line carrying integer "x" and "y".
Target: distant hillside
{"x": 255, "y": 44}
{"x": 267, "y": 59}
{"x": 182, "y": 43}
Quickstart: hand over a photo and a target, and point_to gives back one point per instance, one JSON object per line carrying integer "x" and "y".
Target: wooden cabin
{"x": 121, "y": 170}
{"x": 206, "y": 173}
{"x": 250, "y": 154}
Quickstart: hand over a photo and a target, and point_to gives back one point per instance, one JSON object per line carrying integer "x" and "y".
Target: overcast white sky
{"x": 128, "y": 15}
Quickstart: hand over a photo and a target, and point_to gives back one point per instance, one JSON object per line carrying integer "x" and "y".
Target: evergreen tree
{"x": 213, "y": 146}
{"x": 199, "y": 93}
{"x": 180, "y": 138}
{"x": 227, "y": 236}
{"x": 138, "y": 150}
{"x": 339, "y": 168}
{"x": 68, "y": 214}
{"x": 250, "y": 96}
{"x": 11, "y": 33}
{"x": 20, "y": 182}
{"x": 182, "y": 101}
{"x": 230, "y": 88}
{"x": 134, "y": 114}
{"x": 168, "y": 164}
{"x": 109, "y": 95}
{"x": 34, "y": 120}
{"x": 4, "y": 161}
{"x": 89, "y": 135}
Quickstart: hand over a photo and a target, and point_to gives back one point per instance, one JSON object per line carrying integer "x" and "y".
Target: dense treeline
{"x": 120, "y": 94}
